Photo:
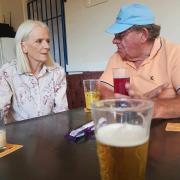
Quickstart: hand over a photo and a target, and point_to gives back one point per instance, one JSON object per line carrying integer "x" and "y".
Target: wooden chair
{"x": 7, "y": 50}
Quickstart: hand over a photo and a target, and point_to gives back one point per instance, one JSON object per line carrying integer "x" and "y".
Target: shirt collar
{"x": 156, "y": 47}
{"x": 44, "y": 70}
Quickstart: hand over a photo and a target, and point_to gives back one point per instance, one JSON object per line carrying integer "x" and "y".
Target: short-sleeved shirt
{"x": 162, "y": 66}
{"x": 32, "y": 96}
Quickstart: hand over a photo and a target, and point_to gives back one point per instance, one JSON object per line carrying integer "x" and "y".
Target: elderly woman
{"x": 32, "y": 85}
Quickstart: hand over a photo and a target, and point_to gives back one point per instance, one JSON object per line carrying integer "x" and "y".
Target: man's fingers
{"x": 155, "y": 92}
{"x": 117, "y": 96}
{"x": 149, "y": 95}
{"x": 127, "y": 85}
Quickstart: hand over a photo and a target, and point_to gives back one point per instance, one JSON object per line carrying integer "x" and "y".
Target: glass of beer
{"x": 120, "y": 78}
{"x": 91, "y": 92}
{"x": 122, "y": 128}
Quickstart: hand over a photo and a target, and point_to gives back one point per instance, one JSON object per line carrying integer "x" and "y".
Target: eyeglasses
{"x": 120, "y": 36}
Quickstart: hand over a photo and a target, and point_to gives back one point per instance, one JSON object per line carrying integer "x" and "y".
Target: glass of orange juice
{"x": 91, "y": 92}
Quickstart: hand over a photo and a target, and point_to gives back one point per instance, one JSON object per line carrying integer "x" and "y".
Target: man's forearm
{"x": 106, "y": 90}
{"x": 167, "y": 108}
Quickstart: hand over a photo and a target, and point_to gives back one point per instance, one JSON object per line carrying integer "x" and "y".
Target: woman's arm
{"x": 60, "y": 85}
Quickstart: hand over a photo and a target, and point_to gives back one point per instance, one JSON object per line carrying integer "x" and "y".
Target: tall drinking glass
{"x": 2, "y": 131}
{"x": 122, "y": 128}
{"x": 91, "y": 92}
{"x": 120, "y": 78}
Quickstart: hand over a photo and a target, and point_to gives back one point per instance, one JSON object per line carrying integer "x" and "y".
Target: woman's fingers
{"x": 6, "y": 109}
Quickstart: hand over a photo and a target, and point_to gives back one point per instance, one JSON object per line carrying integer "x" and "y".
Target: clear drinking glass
{"x": 91, "y": 92}
{"x": 120, "y": 78}
{"x": 2, "y": 131}
{"x": 122, "y": 128}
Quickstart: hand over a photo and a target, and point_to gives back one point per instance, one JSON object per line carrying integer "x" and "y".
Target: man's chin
{"x": 121, "y": 54}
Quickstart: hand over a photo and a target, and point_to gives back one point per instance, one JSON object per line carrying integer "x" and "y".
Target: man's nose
{"x": 115, "y": 40}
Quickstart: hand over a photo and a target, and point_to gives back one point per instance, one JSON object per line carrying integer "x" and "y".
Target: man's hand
{"x": 155, "y": 92}
{"x": 106, "y": 90}
{"x": 149, "y": 95}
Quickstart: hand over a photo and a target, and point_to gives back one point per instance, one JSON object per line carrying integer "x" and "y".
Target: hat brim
{"x": 118, "y": 28}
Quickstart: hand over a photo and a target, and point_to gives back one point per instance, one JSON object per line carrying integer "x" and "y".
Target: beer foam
{"x": 121, "y": 76}
{"x": 122, "y": 135}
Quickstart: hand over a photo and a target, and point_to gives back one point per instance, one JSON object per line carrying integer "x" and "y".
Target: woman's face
{"x": 37, "y": 47}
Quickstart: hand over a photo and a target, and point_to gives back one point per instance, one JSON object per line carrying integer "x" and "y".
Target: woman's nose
{"x": 46, "y": 45}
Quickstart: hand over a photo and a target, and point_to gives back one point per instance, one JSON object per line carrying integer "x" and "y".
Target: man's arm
{"x": 163, "y": 108}
{"x": 106, "y": 90}
{"x": 167, "y": 108}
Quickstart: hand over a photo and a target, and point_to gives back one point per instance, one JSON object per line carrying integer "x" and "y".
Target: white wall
{"x": 16, "y": 9}
{"x": 89, "y": 47}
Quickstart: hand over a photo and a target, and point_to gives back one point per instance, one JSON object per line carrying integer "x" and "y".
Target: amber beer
{"x": 122, "y": 151}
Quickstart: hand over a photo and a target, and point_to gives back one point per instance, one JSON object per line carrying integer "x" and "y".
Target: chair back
{"x": 7, "y": 50}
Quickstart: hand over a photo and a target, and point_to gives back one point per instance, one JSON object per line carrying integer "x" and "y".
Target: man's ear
{"x": 24, "y": 47}
{"x": 144, "y": 35}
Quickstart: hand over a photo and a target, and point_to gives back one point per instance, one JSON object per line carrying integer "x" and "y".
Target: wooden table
{"x": 47, "y": 155}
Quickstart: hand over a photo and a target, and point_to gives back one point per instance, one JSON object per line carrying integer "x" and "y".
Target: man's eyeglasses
{"x": 120, "y": 36}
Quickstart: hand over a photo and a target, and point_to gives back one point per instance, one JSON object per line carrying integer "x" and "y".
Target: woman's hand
{"x": 6, "y": 109}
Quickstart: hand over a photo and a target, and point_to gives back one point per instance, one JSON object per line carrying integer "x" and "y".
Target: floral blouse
{"x": 32, "y": 96}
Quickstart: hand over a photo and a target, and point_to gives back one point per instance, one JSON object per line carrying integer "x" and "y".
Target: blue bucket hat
{"x": 129, "y": 15}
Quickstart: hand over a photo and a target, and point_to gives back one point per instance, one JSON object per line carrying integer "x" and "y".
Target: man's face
{"x": 128, "y": 44}
{"x": 36, "y": 47}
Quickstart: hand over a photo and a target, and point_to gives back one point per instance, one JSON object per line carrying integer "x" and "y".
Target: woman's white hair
{"x": 22, "y": 34}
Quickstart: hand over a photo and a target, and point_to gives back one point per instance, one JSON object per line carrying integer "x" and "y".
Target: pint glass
{"x": 2, "y": 131}
{"x": 120, "y": 78}
{"x": 91, "y": 92}
{"x": 122, "y": 129}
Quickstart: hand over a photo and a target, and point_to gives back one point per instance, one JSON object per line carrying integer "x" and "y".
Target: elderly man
{"x": 153, "y": 62}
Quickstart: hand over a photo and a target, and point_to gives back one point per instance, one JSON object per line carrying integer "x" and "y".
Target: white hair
{"x": 22, "y": 34}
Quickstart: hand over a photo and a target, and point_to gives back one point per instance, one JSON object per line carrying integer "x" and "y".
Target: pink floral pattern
{"x": 32, "y": 96}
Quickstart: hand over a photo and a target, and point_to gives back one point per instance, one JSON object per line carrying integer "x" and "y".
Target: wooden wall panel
{"x": 75, "y": 92}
